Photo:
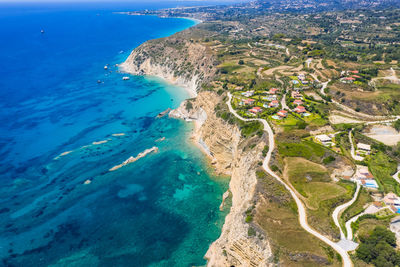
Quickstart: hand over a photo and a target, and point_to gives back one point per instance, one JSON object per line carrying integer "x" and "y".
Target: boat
{"x": 106, "y": 67}
{"x": 125, "y": 78}
{"x": 42, "y": 31}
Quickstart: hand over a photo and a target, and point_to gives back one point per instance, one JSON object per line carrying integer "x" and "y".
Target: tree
{"x": 241, "y": 62}
{"x": 378, "y": 248}
{"x": 397, "y": 125}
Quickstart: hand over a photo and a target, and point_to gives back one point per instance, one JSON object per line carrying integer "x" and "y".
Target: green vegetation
{"x": 279, "y": 211}
{"x": 321, "y": 195}
{"x": 378, "y": 248}
{"x": 382, "y": 167}
{"x": 357, "y": 207}
{"x": 305, "y": 149}
{"x": 328, "y": 160}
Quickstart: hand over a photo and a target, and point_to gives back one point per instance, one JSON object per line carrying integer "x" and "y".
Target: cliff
{"x": 227, "y": 150}
{"x": 179, "y": 59}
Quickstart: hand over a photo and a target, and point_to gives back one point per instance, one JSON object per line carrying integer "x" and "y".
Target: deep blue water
{"x": 161, "y": 210}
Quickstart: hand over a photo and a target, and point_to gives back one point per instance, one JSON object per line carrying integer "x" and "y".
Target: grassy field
{"x": 306, "y": 149}
{"x": 292, "y": 246}
{"x": 382, "y": 167}
{"x": 320, "y": 194}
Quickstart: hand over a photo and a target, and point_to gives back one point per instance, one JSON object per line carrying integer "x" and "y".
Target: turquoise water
{"x": 161, "y": 210}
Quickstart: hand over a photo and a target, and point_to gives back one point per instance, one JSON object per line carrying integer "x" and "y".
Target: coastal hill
{"x": 297, "y": 107}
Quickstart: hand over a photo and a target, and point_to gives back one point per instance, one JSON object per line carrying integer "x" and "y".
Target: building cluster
{"x": 349, "y": 76}
{"x": 365, "y": 178}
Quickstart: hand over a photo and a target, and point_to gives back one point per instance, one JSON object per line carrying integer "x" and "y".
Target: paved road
{"x": 283, "y": 102}
{"x": 302, "y": 210}
{"x": 341, "y": 208}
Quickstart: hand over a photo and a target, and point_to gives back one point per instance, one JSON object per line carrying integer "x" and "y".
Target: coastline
{"x": 221, "y": 142}
{"x": 125, "y": 68}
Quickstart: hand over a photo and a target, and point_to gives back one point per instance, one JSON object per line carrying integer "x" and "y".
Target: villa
{"x": 364, "y": 177}
{"x": 274, "y": 104}
{"x": 301, "y": 77}
{"x": 248, "y": 93}
{"x": 270, "y": 97}
{"x": 296, "y": 95}
{"x": 363, "y": 149}
{"x": 282, "y": 113}
{"x": 298, "y": 102}
{"x": 273, "y": 91}
{"x": 324, "y": 139}
{"x": 393, "y": 202}
{"x": 348, "y": 80}
{"x": 300, "y": 109}
{"x": 247, "y": 102}
{"x": 255, "y": 110}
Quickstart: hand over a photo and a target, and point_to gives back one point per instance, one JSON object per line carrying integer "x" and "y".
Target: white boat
{"x": 125, "y": 78}
{"x": 106, "y": 67}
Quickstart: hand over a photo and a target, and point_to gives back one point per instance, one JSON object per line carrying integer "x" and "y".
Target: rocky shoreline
{"x": 220, "y": 141}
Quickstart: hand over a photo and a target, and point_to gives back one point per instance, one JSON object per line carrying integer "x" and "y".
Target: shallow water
{"x": 60, "y": 127}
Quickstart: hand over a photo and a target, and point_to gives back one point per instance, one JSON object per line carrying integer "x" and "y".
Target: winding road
{"x": 301, "y": 209}
{"x": 341, "y": 208}
{"x": 383, "y": 119}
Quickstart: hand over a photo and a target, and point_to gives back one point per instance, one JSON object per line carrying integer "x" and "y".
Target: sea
{"x": 65, "y": 121}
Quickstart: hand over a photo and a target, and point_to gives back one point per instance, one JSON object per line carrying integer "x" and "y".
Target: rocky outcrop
{"x": 179, "y": 59}
{"x": 228, "y": 155}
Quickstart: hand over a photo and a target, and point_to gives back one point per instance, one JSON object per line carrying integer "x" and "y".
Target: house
{"x": 353, "y": 71}
{"x": 304, "y": 82}
{"x": 247, "y": 102}
{"x": 370, "y": 183}
{"x": 248, "y": 93}
{"x": 393, "y": 201}
{"x": 274, "y": 104}
{"x": 301, "y": 77}
{"x": 300, "y": 109}
{"x": 348, "y": 80}
{"x": 255, "y": 110}
{"x": 282, "y": 113}
{"x": 324, "y": 139}
{"x": 296, "y": 95}
{"x": 273, "y": 91}
{"x": 298, "y": 102}
{"x": 270, "y": 97}
{"x": 356, "y": 76}
{"x": 364, "y": 148}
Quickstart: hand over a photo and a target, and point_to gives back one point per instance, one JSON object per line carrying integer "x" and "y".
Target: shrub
{"x": 189, "y": 105}
{"x": 328, "y": 160}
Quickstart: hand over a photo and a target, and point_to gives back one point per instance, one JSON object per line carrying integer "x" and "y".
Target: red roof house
{"x": 248, "y": 101}
{"x": 255, "y": 110}
{"x": 298, "y": 102}
{"x": 300, "y": 109}
{"x": 282, "y": 113}
{"x": 272, "y": 91}
{"x": 274, "y": 104}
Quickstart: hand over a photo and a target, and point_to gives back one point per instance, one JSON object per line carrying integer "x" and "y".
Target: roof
{"x": 349, "y": 78}
{"x": 363, "y": 146}
{"x": 298, "y": 101}
{"x": 323, "y": 138}
{"x": 300, "y": 108}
